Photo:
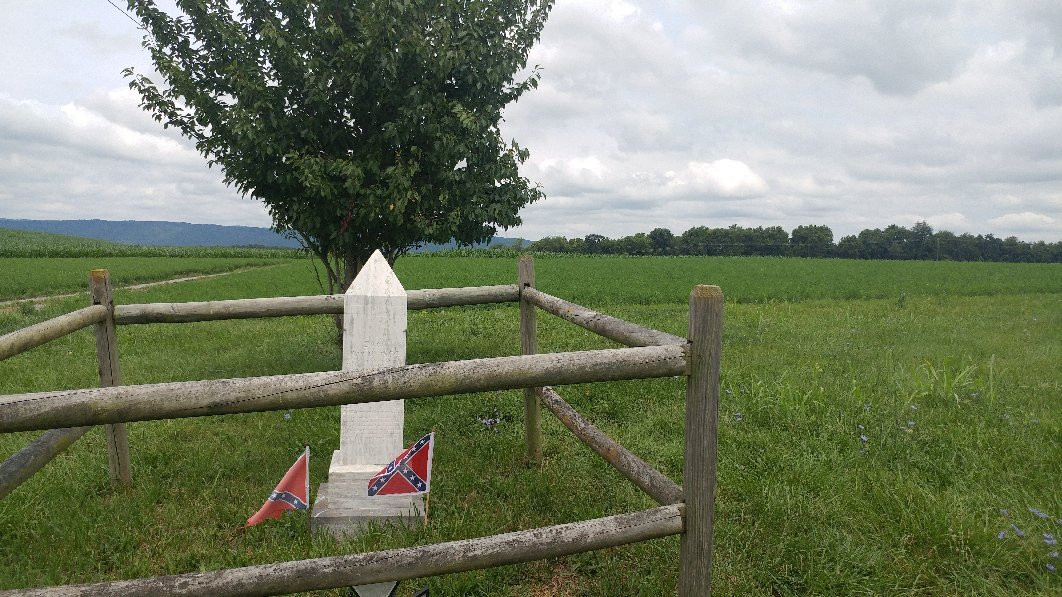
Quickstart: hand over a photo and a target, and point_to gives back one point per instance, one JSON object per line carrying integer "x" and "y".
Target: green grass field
{"x": 69, "y": 258}
{"x": 881, "y": 424}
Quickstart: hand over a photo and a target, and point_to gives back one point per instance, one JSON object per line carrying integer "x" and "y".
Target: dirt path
{"x": 41, "y": 299}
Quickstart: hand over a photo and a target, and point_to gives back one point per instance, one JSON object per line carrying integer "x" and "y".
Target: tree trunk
{"x": 352, "y": 263}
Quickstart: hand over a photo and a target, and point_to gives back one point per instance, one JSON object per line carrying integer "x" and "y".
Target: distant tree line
{"x": 894, "y": 242}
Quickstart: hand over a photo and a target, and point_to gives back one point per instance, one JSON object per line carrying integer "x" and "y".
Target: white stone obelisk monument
{"x": 370, "y": 435}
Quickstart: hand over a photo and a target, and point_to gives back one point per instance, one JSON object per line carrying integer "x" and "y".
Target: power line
{"x": 127, "y": 15}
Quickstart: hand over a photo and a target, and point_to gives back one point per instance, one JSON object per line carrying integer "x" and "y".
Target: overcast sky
{"x": 669, "y": 113}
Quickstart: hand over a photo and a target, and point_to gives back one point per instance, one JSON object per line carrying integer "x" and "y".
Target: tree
{"x": 945, "y": 245}
{"x": 694, "y": 241}
{"x": 773, "y": 240}
{"x": 991, "y": 247}
{"x": 873, "y": 241}
{"x": 636, "y": 244}
{"x": 361, "y": 124}
{"x": 1015, "y": 250}
{"x": 595, "y": 244}
{"x": 550, "y": 244}
{"x": 661, "y": 240}
{"x": 811, "y": 240}
{"x": 895, "y": 239}
{"x": 919, "y": 242}
{"x": 850, "y": 247}
{"x": 968, "y": 247}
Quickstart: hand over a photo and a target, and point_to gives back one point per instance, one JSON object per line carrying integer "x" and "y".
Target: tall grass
{"x": 654, "y": 280}
{"x": 34, "y": 277}
{"x": 867, "y": 445}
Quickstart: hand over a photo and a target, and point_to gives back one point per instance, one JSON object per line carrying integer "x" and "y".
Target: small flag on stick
{"x": 409, "y": 474}
{"x": 292, "y": 493}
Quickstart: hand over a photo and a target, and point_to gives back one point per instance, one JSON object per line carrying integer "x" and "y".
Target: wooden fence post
{"x": 525, "y": 269}
{"x": 107, "y": 355}
{"x": 702, "y": 419}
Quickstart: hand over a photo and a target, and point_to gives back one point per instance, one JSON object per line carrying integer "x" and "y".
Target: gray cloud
{"x": 899, "y": 46}
{"x": 67, "y": 162}
{"x": 853, "y": 114}
{"x": 844, "y": 122}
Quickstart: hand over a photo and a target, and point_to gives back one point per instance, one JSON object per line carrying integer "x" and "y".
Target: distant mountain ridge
{"x": 178, "y": 234}
{"x": 157, "y": 234}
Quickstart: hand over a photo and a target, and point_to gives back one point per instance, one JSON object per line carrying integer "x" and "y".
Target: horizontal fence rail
{"x": 456, "y": 297}
{"x": 399, "y": 564}
{"x": 233, "y": 309}
{"x": 70, "y": 408}
{"x": 656, "y": 484}
{"x": 610, "y": 327}
{"x": 40, "y": 333}
{"x": 685, "y": 510}
{"x": 22, "y": 465}
{"x": 327, "y": 304}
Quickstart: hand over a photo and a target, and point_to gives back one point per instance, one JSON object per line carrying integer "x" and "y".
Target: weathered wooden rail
{"x": 610, "y": 327}
{"x": 174, "y": 400}
{"x": 398, "y": 564}
{"x": 685, "y": 510}
{"x": 657, "y": 485}
{"x": 22, "y": 465}
{"x": 286, "y": 306}
{"x": 41, "y": 333}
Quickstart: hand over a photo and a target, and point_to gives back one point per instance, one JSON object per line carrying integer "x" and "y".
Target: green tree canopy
{"x": 661, "y": 240}
{"x": 361, "y": 124}
{"x": 811, "y": 240}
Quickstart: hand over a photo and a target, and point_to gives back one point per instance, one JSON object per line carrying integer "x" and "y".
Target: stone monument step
{"x": 340, "y": 510}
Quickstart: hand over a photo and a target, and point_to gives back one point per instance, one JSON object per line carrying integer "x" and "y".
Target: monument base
{"x": 342, "y": 506}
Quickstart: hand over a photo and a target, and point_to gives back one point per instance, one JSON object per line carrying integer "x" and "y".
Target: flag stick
{"x": 309, "y": 502}
{"x": 427, "y": 494}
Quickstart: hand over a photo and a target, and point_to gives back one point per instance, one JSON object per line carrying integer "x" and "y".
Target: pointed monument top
{"x": 376, "y": 278}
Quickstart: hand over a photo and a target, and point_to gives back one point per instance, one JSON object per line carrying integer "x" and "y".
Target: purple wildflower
{"x": 1001, "y": 535}
{"x": 1050, "y": 566}
{"x": 491, "y": 422}
{"x": 1017, "y": 531}
{"x": 1050, "y": 539}
{"x": 1037, "y": 512}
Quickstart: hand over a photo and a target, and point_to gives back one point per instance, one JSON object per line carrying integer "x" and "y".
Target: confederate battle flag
{"x": 292, "y": 493}
{"x": 408, "y": 474}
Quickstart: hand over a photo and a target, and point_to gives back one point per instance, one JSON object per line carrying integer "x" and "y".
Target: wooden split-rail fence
{"x": 685, "y": 510}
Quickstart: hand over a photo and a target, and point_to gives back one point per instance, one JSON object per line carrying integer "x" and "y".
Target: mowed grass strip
{"x": 875, "y": 446}
{"x": 26, "y": 277}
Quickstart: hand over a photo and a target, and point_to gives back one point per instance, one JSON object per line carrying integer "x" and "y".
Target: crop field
{"x": 886, "y": 428}
{"x": 27, "y": 275}
{"x": 22, "y": 243}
